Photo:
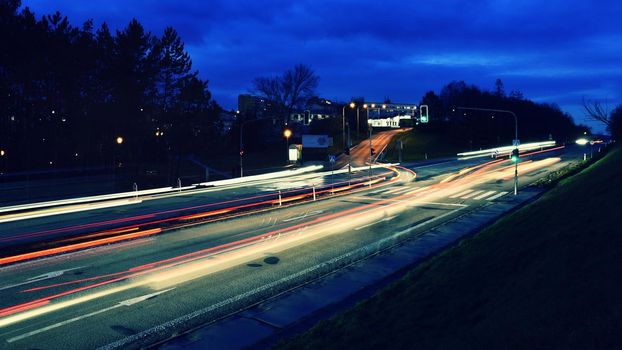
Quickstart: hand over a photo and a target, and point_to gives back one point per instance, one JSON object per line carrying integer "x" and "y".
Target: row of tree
{"x": 68, "y": 94}
{"x": 536, "y": 121}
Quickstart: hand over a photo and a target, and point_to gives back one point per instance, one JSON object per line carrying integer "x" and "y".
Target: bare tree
{"x": 292, "y": 89}
{"x": 596, "y": 111}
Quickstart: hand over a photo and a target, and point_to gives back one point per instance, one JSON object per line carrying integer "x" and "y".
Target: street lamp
{"x": 515, "y": 137}
{"x": 287, "y": 133}
{"x": 369, "y": 126}
{"x": 346, "y": 146}
{"x": 119, "y": 140}
{"x": 2, "y": 153}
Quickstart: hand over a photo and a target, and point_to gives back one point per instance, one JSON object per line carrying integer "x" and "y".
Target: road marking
{"x": 43, "y": 277}
{"x": 376, "y": 191}
{"x": 403, "y": 190}
{"x": 461, "y": 193}
{"x": 471, "y": 194}
{"x": 377, "y": 222}
{"x": 305, "y": 215}
{"x": 128, "y": 302}
{"x": 394, "y": 190}
{"x": 497, "y": 196}
{"x": 489, "y": 193}
{"x": 439, "y": 203}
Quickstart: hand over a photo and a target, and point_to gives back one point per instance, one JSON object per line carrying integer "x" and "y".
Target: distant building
{"x": 316, "y": 109}
{"x": 254, "y": 106}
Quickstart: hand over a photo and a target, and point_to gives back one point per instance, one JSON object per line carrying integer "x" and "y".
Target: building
{"x": 316, "y": 109}
{"x": 253, "y": 107}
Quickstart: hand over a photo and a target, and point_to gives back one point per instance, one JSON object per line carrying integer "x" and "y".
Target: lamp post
{"x": 357, "y": 124}
{"x": 370, "y": 134}
{"x": 119, "y": 141}
{"x": 287, "y": 133}
{"x": 515, "y": 136}
{"x": 346, "y": 144}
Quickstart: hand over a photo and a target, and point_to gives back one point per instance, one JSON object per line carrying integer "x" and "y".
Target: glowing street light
{"x": 346, "y": 145}
{"x": 287, "y": 133}
{"x": 2, "y": 153}
{"x": 119, "y": 140}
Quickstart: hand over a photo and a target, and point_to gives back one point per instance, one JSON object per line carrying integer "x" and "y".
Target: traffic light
{"x": 514, "y": 157}
{"x": 423, "y": 114}
{"x": 347, "y": 151}
{"x": 241, "y": 153}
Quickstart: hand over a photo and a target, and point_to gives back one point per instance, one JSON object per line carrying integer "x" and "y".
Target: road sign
{"x": 332, "y": 158}
{"x": 515, "y": 142}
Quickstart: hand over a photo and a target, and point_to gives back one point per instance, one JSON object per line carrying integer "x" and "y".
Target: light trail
{"x": 64, "y": 249}
{"x": 192, "y": 265}
{"x": 77, "y": 246}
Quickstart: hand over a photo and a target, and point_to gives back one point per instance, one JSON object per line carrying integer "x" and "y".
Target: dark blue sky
{"x": 555, "y": 51}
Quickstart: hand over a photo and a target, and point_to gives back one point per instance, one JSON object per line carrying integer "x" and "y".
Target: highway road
{"x": 359, "y": 154}
{"x": 78, "y": 222}
{"x": 136, "y": 292}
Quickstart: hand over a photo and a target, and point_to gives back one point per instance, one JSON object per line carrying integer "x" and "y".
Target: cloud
{"x": 551, "y": 51}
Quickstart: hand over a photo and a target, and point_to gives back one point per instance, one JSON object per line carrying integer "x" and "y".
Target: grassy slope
{"x": 548, "y": 276}
{"x": 418, "y": 142}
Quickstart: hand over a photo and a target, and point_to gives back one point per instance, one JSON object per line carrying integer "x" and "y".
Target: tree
{"x": 292, "y": 89}
{"x": 175, "y": 65}
{"x": 499, "y": 89}
{"x": 434, "y": 105}
{"x": 615, "y": 123}
{"x": 596, "y": 111}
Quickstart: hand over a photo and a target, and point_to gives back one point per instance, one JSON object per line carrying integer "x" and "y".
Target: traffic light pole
{"x": 370, "y": 150}
{"x": 515, "y": 136}
{"x": 241, "y": 150}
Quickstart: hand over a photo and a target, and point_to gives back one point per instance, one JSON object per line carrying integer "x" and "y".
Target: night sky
{"x": 553, "y": 51}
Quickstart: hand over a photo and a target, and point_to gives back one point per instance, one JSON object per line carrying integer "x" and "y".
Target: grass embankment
{"x": 548, "y": 276}
{"x": 419, "y": 143}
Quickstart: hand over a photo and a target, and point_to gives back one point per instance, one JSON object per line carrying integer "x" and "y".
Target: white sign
{"x": 332, "y": 158}
{"x": 515, "y": 142}
{"x": 315, "y": 141}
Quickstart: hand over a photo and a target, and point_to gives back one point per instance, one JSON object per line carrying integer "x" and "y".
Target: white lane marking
{"x": 394, "y": 190}
{"x": 496, "y": 196}
{"x": 128, "y": 302}
{"x": 377, "y": 222}
{"x": 461, "y": 193}
{"x": 489, "y": 193}
{"x": 305, "y": 215}
{"x": 404, "y": 190}
{"x": 43, "y": 277}
{"x": 471, "y": 194}
{"x": 377, "y": 191}
{"x": 438, "y": 203}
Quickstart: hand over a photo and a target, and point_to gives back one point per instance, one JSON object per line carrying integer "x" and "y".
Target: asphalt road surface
{"x": 109, "y": 296}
